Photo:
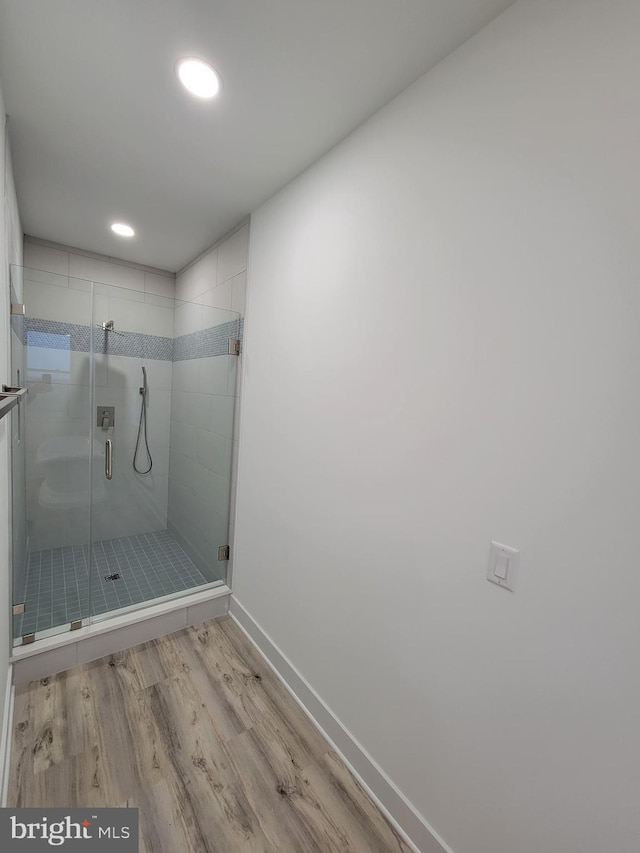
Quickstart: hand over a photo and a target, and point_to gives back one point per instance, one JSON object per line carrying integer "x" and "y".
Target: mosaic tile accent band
{"x": 134, "y": 345}
{"x": 208, "y": 342}
{"x": 53, "y": 334}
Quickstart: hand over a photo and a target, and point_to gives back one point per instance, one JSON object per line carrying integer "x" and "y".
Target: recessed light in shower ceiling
{"x": 122, "y": 230}
{"x": 198, "y": 77}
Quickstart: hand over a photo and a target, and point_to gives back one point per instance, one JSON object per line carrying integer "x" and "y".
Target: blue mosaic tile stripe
{"x": 79, "y": 337}
{"x": 208, "y": 342}
{"x": 134, "y": 345}
{"x": 53, "y": 334}
{"x": 48, "y": 340}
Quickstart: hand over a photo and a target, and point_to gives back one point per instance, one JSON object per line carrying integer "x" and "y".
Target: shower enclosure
{"x": 121, "y": 450}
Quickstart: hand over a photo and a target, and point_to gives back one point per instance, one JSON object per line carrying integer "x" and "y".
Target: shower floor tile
{"x": 149, "y": 566}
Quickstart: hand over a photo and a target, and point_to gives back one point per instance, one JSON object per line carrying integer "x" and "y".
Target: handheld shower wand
{"x": 144, "y": 391}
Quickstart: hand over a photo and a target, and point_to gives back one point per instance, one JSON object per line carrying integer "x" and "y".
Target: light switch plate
{"x": 504, "y": 563}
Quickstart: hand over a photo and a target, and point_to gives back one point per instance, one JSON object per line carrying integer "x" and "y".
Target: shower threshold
{"x": 59, "y": 652}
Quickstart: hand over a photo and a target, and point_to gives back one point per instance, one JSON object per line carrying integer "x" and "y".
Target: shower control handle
{"x": 108, "y": 459}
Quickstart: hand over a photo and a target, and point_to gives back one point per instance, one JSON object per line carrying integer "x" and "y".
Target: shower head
{"x": 109, "y": 326}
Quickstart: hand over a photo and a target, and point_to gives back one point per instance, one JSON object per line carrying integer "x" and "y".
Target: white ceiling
{"x": 101, "y": 130}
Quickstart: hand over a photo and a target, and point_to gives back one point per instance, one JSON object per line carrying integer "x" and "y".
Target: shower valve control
{"x": 106, "y": 417}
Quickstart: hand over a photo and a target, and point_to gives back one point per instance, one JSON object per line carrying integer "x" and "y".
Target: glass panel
{"x": 202, "y": 417}
{"x": 17, "y": 432}
{"x": 122, "y": 450}
{"x": 54, "y": 358}
{"x": 156, "y": 522}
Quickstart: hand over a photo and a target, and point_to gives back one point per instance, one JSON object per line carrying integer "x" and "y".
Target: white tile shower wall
{"x": 132, "y": 503}
{"x": 57, "y": 416}
{"x": 204, "y": 401}
{"x": 56, "y": 288}
{"x": 74, "y": 262}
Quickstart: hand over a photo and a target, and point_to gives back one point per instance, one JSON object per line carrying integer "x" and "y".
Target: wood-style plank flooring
{"x": 197, "y": 732}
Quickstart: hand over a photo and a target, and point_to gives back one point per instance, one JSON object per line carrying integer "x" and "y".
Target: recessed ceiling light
{"x": 122, "y": 230}
{"x": 198, "y": 77}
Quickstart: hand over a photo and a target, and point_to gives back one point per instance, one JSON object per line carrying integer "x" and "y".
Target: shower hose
{"x": 143, "y": 423}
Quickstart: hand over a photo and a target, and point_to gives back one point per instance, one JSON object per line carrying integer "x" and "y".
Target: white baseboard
{"x": 5, "y": 738}
{"x": 394, "y": 805}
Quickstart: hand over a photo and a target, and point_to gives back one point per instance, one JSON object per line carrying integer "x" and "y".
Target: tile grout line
{"x": 151, "y": 565}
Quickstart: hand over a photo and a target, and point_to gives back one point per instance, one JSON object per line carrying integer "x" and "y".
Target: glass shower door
{"x": 16, "y": 431}
{"x": 51, "y": 454}
{"x": 204, "y": 398}
{"x": 122, "y": 452}
{"x": 133, "y": 345}
{"x": 162, "y": 425}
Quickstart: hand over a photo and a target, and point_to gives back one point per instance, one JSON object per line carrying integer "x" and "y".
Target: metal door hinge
{"x": 18, "y": 609}
{"x": 77, "y": 623}
{"x": 224, "y": 552}
{"x": 17, "y": 308}
{"x": 234, "y": 346}
{"x": 28, "y": 638}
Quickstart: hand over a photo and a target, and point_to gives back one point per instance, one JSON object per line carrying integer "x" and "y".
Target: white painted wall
{"x": 10, "y": 253}
{"x": 444, "y": 348}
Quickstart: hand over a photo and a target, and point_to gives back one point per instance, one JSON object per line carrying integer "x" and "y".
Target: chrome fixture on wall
{"x": 109, "y": 326}
{"x": 106, "y": 417}
{"x": 144, "y": 391}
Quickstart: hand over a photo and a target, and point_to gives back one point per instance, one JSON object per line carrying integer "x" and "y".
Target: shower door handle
{"x": 108, "y": 459}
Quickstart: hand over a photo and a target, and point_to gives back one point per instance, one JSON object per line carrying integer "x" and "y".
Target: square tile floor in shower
{"x": 57, "y": 580}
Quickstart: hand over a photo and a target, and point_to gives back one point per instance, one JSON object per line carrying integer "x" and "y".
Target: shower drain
{"x": 115, "y": 577}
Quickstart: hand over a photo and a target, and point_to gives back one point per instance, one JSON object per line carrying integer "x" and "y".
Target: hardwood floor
{"x": 198, "y": 733}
